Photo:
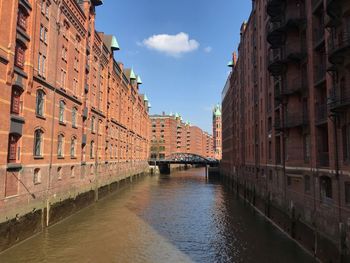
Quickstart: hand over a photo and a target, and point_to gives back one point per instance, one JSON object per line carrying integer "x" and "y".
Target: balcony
{"x": 334, "y": 8}
{"x": 274, "y": 8}
{"x": 296, "y": 86}
{"x": 337, "y": 49}
{"x": 339, "y": 100}
{"x": 319, "y": 74}
{"x": 321, "y": 115}
{"x": 316, "y": 5}
{"x": 280, "y": 57}
{"x": 323, "y": 159}
{"x": 295, "y": 120}
{"x": 318, "y": 37}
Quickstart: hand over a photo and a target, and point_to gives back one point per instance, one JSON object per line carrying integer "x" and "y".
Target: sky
{"x": 180, "y": 48}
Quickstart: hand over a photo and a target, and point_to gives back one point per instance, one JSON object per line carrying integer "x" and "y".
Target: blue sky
{"x": 180, "y": 49}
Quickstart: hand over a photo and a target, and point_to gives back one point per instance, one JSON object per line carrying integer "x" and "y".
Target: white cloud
{"x": 173, "y": 45}
{"x": 208, "y": 49}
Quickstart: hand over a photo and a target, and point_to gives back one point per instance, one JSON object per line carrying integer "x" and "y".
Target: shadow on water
{"x": 182, "y": 217}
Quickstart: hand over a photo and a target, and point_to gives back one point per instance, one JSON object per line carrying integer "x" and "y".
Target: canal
{"x": 176, "y": 218}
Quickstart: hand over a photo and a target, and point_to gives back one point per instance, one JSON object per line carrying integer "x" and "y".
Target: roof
{"x": 139, "y": 81}
{"x": 217, "y": 111}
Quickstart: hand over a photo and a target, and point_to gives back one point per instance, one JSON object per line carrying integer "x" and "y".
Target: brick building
{"x": 73, "y": 118}
{"x": 169, "y": 134}
{"x": 286, "y": 120}
{"x": 217, "y": 132}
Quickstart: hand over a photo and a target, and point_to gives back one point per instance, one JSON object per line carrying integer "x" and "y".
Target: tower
{"x": 217, "y": 132}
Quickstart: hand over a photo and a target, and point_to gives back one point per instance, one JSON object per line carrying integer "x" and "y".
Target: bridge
{"x": 185, "y": 159}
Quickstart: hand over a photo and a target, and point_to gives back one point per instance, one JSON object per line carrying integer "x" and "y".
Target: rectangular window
{"x": 347, "y": 192}
{"x": 63, "y": 78}
{"x": 12, "y": 155}
{"x": 19, "y": 56}
{"x": 15, "y": 101}
{"x": 22, "y": 19}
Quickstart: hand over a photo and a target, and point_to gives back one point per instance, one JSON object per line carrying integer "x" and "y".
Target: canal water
{"x": 181, "y": 217}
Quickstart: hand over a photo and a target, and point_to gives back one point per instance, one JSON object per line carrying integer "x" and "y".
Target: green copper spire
{"x": 177, "y": 115}
{"x": 217, "y": 110}
{"x": 132, "y": 74}
{"x": 145, "y": 98}
{"x": 139, "y": 81}
{"x": 230, "y": 64}
{"x": 114, "y": 44}
{"x": 149, "y": 105}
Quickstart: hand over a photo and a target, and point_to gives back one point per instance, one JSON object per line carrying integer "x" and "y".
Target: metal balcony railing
{"x": 339, "y": 99}
{"x": 320, "y": 73}
{"x": 321, "y": 113}
{"x": 336, "y": 48}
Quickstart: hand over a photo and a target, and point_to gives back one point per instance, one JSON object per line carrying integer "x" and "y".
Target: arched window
{"x": 92, "y": 146}
{"x": 38, "y": 143}
{"x": 37, "y": 176}
{"x": 72, "y": 171}
{"x": 39, "y": 107}
{"x": 15, "y": 100}
{"x": 73, "y": 144}
{"x": 59, "y": 173}
{"x": 62, "y": 106}
{"x": 74, "y": 117}
{"x": 60, "y": 146}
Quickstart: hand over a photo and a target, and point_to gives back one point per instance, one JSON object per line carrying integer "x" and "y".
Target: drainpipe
{"x": 53, "y": 120}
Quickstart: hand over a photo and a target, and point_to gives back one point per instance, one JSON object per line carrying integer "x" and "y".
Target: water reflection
{"x": 176, "y": 218}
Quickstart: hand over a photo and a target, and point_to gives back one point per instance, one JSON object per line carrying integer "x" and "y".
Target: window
{"x": 74, "y": 117}
{"x": 92, "y": 146}
{"x": 92, "y": 124}
{"x": 73, "y": 144}
{"x": 347, "y": 192}
{"x": 15, "y": 100}
{"x": 59, "y": 173}
{"x": 307, "y": 147}
{"x": 346, "y": 142}
{"x": 43, "y": 34}
{"x": 41, "y": 65}
{"x": 38, "y": 140}
{"x": 12, "y": 152}
{"x": 60, "y": 146}
{"x": 39, "y": 108}
{"x": 22, "y": 18}
{"x": 72, "y": 171}
{"x": 37, "y": 176}
{"x": 64, "y": 53}
{"x": 63, "y": 78}
{"x": 62, "y": 106}
{"x": 307, "y": 185}
{"x": 19, "y": 55}
{"x": 326, "y": 187}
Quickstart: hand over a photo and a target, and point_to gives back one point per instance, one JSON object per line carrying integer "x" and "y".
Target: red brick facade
{"x": 72, "y": 117}
{"x": 285, "y": 106}
{"x": 169, "y": 134}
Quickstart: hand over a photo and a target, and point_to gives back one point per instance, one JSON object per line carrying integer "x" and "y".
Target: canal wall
{"x": 287, "y": 218}
{"x": 28, "y": 214}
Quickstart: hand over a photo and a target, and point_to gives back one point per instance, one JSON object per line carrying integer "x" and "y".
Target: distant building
{"x": 217, "y": 132}
{"x": 169, "y": 134}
